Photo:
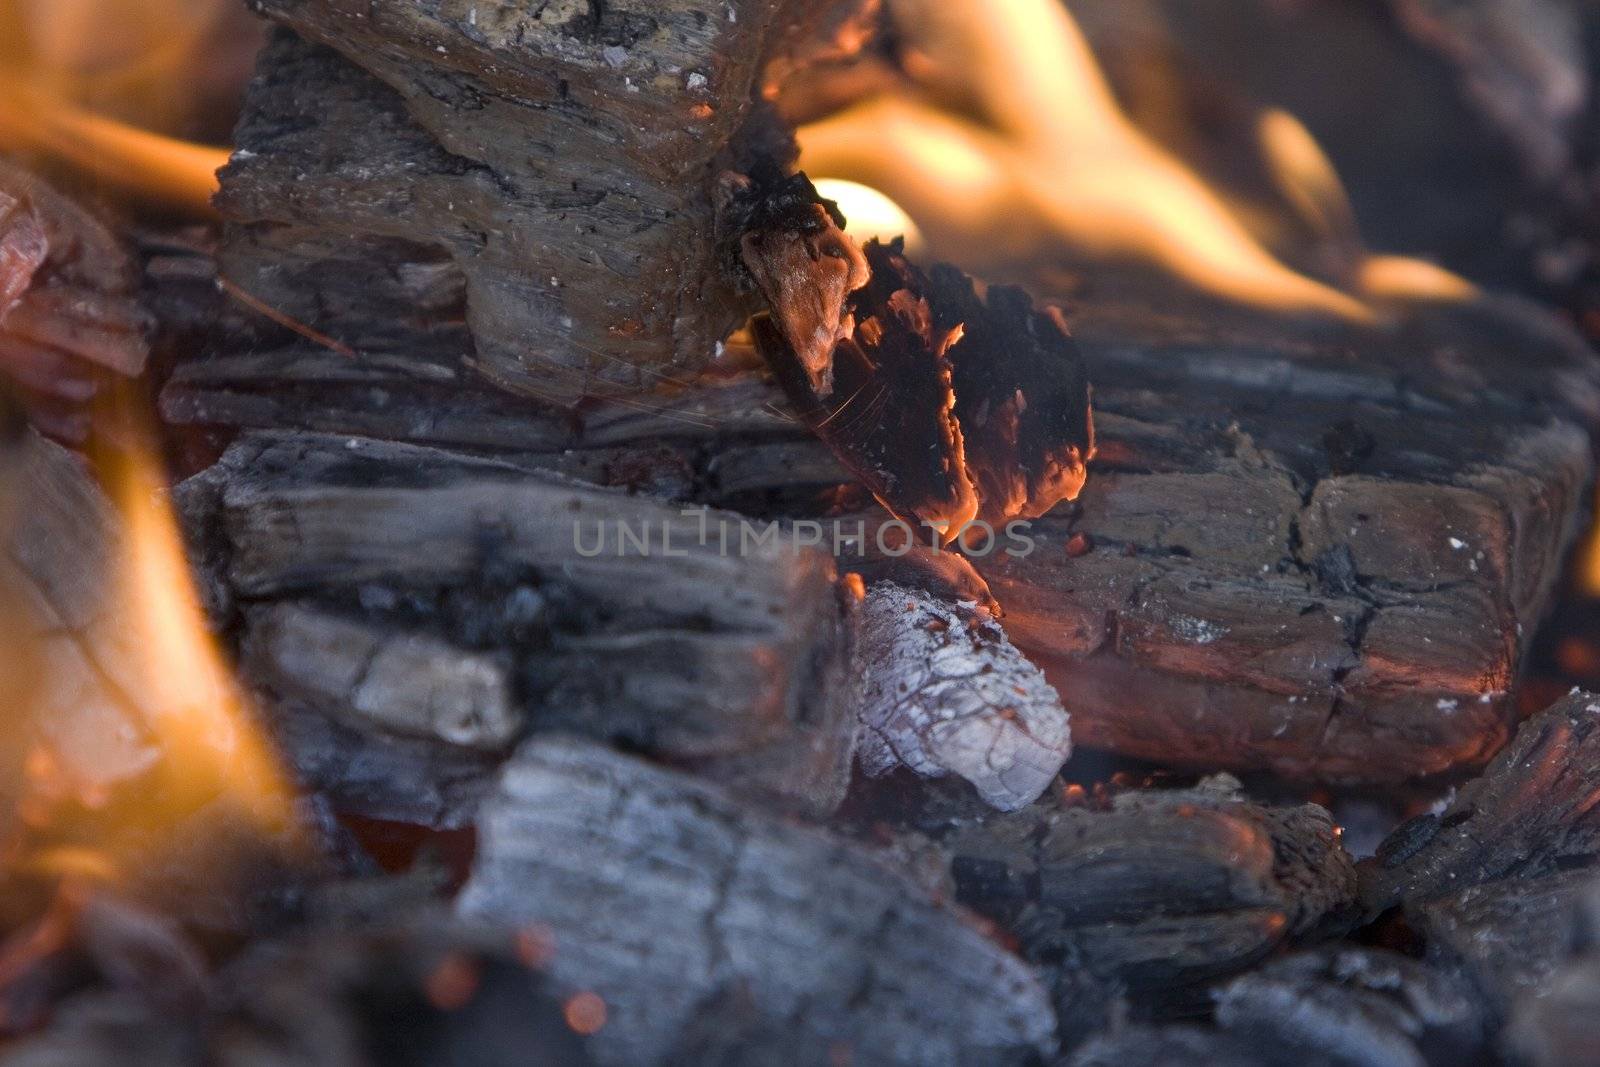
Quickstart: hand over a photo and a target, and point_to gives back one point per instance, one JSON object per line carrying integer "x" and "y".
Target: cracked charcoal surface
{"x": 1531, "y": 813}
{"x": 1161, "y": 892}
{"x": 662, "y": 893}
{"x": 1357, "y": 1007}
{"x": 945, "y": 692}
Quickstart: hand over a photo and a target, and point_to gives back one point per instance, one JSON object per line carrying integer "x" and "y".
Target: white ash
{"x": 945, "y": 692}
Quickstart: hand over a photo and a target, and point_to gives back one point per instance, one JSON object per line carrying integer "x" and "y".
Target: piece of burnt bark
{"x": 948, "y": 406}
{"x": 552, "y": 166}
{"x": 947, "y": 693}
{"x": 810, "y": 927}
{"x": 68, "y": 304}
{"x": 1357, "y": 1007}
{"x": 1530, "y": 814}
{"x": 1162, "y": 892}
{"x": 425, "y": 607}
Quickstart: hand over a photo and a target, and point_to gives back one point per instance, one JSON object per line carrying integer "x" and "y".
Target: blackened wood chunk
{"x": 562, "y": 156}
{"x": 1531, "y": 813}
{"x": 410, "y": 612}
{"x": 948, "y": 406}
{"x": 1507, "y": 936}
{"x": 889, "y": 415}
{"x": 791, "y": 242}
{"x": 947, "y": 693}
{"x": 662, "y": 892}
{"x": 1161, "y": 892}
{"x": 1357, "y": 1007}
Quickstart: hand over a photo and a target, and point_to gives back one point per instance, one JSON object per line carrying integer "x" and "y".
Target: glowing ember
{"x": 1011, "y": 145}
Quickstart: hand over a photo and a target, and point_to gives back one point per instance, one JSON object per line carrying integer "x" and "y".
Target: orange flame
{"x": 141, "y": 734}
{"x": 210, "y": 749}
{"x": 73, "y": 72}
{"x": 1011, "y": 139}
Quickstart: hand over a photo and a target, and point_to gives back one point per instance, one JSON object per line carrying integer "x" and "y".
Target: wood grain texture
{"x": 821, "y": 936}
{"x": 443, "y": 603}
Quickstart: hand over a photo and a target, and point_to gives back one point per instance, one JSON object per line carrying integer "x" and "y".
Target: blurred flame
{"x": 87, "y": 82}
{"x": 102, "y": 793}
{"x": 1011, "y": 139}
{"x": 870, "y": 214}
{"x": 210, "y": 750}
{"x": 169, "y": 172}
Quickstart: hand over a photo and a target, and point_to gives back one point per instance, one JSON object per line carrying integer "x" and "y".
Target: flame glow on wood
{"x": 1011, "y": 141}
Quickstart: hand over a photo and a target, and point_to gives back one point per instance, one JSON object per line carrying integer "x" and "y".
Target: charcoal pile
{"x": 537, "y": 577}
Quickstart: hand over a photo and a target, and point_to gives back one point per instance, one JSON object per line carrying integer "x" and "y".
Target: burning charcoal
{"x": 889, "y": 416}
{"x": 732, "y": 662}
{"x": 67, "y": 305}
{"x": 945, "y": 576}
{"x": 946, "y": 692}
{"x": 1022, "y": 393}
{"x": 1356, "y": 1007}
{"x": 1507, "y": 936}
{"x": 947, "y": 406}
{"x": 662, "y": 892}
{"x": 1177, "y": 1046}
{"x": 1530, "y": 814}
{"x": 1162, "y": 892}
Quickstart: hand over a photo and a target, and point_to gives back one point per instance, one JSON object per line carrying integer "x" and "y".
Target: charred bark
{"x": 404, "y": 606}
{"x": 545, "y": 175}
{"x": 818, "y": 934}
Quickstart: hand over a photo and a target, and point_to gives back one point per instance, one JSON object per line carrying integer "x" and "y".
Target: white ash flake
{"x": 1197, "y": 631}
{"x": 945, "y": 692}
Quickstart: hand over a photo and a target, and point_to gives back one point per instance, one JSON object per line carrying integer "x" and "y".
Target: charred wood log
{"x": 1163, "y": 892}
{"x": 1355, "y": 1007}
{"x": 1531, "y": 814}
{"x": 1348, "y": 602}
{"x": 817, "y": 933}
{"x": 433, "y": 605}
{"x": 1509, "y": 936}
{"x": 546, "y": 173}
